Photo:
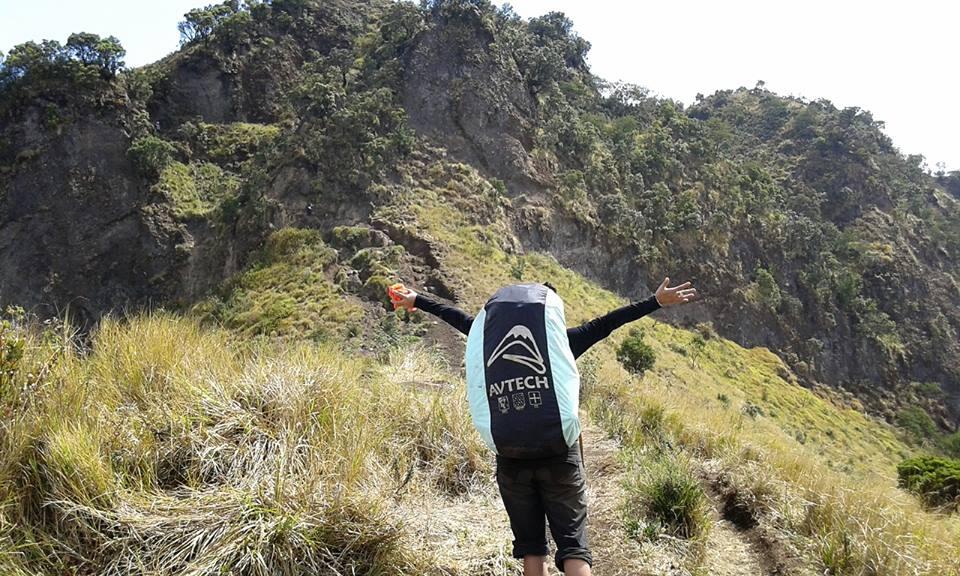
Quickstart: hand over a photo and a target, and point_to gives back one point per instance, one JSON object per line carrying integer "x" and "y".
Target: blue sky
{"x": 896, "y": 59}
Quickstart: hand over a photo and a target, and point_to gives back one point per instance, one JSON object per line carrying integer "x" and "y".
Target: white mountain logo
{"x": 519, "y": 346}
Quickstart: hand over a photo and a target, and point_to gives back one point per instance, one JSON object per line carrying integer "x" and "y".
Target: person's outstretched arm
{"x": 449, "y": 314}
{"x": 583, "y": 337}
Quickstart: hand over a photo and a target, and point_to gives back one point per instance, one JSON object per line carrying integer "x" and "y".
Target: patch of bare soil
{"x": 741, "y": 536}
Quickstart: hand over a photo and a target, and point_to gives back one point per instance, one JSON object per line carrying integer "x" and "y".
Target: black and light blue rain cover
{"x": 522, "y": 380}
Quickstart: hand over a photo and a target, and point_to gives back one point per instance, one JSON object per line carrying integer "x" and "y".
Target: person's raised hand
{"x": 680, "y": 294}
{"x": 402, "y": 297}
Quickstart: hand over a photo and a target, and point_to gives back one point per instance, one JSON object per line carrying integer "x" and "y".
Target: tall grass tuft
{"x": 664, "y": 504}
{"x": 663, "y": 496}
{"x": 164, "y": 447}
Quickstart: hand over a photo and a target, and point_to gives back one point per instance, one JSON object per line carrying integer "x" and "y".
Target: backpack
{"x": 522, "y": 380}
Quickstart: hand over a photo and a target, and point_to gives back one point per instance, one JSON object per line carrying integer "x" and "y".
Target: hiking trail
{"x": 727, "y": 551}
{"x": 470, "y": 534}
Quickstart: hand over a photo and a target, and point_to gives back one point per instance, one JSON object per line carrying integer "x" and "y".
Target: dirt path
{"x": 728, "y": 552}
{"x": 471, "y": 536}
{"x": 740, "y": 538}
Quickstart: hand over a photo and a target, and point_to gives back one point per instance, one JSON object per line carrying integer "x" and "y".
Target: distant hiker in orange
{"x": 524, "y": 393}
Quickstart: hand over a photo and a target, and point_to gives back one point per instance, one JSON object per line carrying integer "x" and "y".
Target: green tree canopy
{"x": 200, "y": 23}
{"x": 83, "y": 52}
{"x": 88, "y": 49}
{"x": 85, "y": 65}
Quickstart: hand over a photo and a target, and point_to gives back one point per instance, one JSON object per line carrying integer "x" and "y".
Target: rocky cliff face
{"x": 463, "y": 90}
{"x": 79, "y": 230}
{"x": 826, "y": 256}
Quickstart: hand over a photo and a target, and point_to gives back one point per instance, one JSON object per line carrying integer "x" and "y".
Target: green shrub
{"x": 652, "y": 420}
{"x": 916, "y": 422}
{"x": 767, "y": 288}
{"x": 951, "y": 444}
{"x": 517, "y": 268}
{"x": 724, "y": 399}
{"x": 664, "y": 497}
{"x": 636, "y": 355}
{"x": 297, "y": 246}
{"x": 676, "y": 347}
{"x": 935, "y": 480}
{"x": 698, "y": 342}
{"x": 752, "y": 410}
{"x": 352, "y": 237}
{"x": 706, "y": 330}
{"x": 928, "y": 389}
{"x": 377, "y": 261}
{"x": 150, "y": 155}
{"x": 375, "y": 288}
{"x": 11, "y": 348}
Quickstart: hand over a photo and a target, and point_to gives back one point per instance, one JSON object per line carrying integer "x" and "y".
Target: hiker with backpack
{"x": 524, "y": 392}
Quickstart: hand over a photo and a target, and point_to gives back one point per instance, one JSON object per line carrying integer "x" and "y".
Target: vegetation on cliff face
{"x": 288, "y": 291}
{"x": 295, "y": 157}
{"x": 748, "y": 191}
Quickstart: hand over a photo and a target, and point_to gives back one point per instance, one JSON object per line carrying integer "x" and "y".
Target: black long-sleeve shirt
{"x": 581, "y": 338}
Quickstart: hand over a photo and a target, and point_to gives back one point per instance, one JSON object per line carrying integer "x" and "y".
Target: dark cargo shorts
{"x": 550, "y": 489}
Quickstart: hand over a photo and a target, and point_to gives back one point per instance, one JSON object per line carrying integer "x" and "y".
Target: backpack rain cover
{"x": 522, "y": 380}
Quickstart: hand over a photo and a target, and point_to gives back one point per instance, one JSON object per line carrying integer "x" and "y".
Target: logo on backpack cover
{"x": 519, "y": 346}
{"x": 519, "y": 401}
{"x": 535, "y": 399}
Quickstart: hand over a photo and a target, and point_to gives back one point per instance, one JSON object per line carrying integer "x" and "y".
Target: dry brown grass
{"x": 166, "y": 448}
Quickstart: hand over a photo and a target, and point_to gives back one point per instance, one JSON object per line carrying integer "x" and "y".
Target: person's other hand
{"x": 681, "y": 294}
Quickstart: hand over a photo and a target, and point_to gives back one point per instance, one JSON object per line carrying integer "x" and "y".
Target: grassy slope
{"x": 841, "y": 437}
{"x": 824, "y": 475}
{"x": 287, "y": 292}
